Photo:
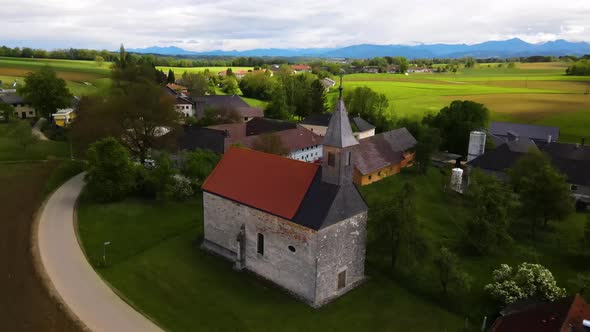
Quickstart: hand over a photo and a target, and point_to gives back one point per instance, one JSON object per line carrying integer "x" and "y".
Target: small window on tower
{"x": 331, "y": 159}
{"x": 348, "y": 158}
{"x": 260, "y": 244}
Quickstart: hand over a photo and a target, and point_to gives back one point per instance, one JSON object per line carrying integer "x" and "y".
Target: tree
{"x": 529, "y": 281}
{"x": 278, "y": 108}
{"x": 319, "y": 101}
{"x": 491, "y": 203}
{"x": 23, "y": 134}
{"x": 199, "y": 164}
{"x": 147, "y": 118}
{"x": 6, "y": 112}
{"x": 586, "y": 236}
{"x": 257, "y": 85}
{"x": 369, "y": 105}
{"x": 428, "y": 143}
{"x": 581, "y": 283}
{"x": 163, "y": 177}
{"x": 397, "y": 228}
{"x": 110, "y": 174}
{"x": 544, "y": 193}
{"x": 270, "y": 143}
{"x": 450, "y": 272}
{"x": 198, "y": 84}
{"x": 99, "y": 60}
{"x": 230, "y": 85}
{"x": 171, "y": 78}
{"x": 45, "y": 92}
{"x": 456, "y": 121}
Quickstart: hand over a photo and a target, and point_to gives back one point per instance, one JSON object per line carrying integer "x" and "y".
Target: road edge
{"x": 40, "y": 268}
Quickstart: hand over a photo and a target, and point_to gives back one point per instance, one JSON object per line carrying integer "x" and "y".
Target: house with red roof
{"x": 299, "y": 225}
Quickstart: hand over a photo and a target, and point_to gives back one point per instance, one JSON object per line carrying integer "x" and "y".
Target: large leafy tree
{"x": 278, "y": 108}
{"x": 171, "y": 77}
{"x": 369, "y": 105}
{"x": 491, "y": 203}
{"x": 198, "y": 164}
{"x": 428, "y": 143}
{"x": 527, "y": 281}
{"x": 230, "y": 85}
{"x": 319, "y": 101}
{"x": 456, "y": 121}
{"x": 257, "y": 85}
{"x": 110, "y": 174}
{"x": 147, "y": 118}
{"x": 198, "y": 84}
{"x": 45, "y": 92}
{"x": 544, "y": 193}
{"x": 95, "y": 120}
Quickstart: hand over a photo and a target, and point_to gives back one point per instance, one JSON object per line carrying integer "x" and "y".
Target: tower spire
{"x": 340, "y": 88}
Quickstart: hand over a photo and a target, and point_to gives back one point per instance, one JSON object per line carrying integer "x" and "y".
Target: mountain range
{"x": 501, "y": 49}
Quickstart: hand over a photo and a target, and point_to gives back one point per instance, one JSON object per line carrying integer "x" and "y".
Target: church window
{"x": 348, "y": 158}
{"x": 341, "y": 280}
{"x": 331, "y": 159}
{"x": 260, "y": 244}
{"x": 292, "y": 249}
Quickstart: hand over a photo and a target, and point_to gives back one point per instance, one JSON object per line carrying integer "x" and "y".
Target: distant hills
{"x": 502, "y": 49}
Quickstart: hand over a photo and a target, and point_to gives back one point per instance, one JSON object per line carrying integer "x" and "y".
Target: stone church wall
{"x": 341, "y": 247}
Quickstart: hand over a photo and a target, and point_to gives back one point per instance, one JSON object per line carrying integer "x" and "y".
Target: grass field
{"x": 10, "y": 150}
{"x": 178, "y": 71}
{"x": 164, "y": 273}
{"x": 538, "y": 93}
{"x": 163, "y": 264}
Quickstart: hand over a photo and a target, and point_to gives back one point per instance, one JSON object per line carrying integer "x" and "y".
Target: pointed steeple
{"x": 338, "y": 147}
{"x": 339, "y": 133}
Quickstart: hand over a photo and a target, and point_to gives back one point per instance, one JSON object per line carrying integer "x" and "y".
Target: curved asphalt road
{"x": 70, "y": 274}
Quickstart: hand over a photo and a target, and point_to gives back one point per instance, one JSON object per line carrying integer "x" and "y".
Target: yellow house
{"x": 383, "y": 155}
{"x": 64, "y": 117}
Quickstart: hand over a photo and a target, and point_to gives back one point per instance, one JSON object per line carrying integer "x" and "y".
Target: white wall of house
{"x": 186, "y": 109}
{"x": 365, "y": 134}
{"x": 309, "y": 154}
{"x": 21, "y": 109}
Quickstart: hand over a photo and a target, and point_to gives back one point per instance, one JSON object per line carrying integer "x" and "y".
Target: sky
{"x": 200, "y": 25}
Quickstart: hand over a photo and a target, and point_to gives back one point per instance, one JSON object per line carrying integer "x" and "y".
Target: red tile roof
{"x": 264, "y": 181}
{"x": 301, "y": 67}
{"x": 546, "y": 317}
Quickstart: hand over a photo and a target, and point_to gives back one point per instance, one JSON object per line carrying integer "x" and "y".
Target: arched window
{"x": 260, "y": 244}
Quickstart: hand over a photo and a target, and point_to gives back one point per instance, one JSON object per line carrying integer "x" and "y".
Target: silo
{"x": 477, "y": 145}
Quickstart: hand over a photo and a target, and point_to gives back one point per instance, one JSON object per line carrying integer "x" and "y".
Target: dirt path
{"x": 37, "y": 130}
{"x": 24, "y": 302}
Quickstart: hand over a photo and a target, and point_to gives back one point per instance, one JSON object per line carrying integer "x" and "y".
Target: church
{"x": 300, "y": 225}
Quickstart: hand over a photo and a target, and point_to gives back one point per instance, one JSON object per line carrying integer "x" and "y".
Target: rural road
{"x": 70, "y": 274}
{"x": 37, "y": 130}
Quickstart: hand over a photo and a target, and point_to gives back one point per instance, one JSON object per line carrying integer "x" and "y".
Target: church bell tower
{"x": 339, "y": 146}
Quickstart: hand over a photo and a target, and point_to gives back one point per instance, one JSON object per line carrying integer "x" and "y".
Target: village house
{"x": 502, "y": 132}
{"x": 383, "y": 155}
{"x": 571, "y": 314}
{"x": 301, "y": 68}
{"x": 22, "y": 109}
{"x": 299, "y": 225}
{"x": 301, "y": 143}
{"x": 318, "y": 123}
{"x": 183, "y": 103}
{"x": 64, "y": 117}
{"x": 572, "y": 160}
{"x": 328, "y": 83}
{"x": 227, "y": 103}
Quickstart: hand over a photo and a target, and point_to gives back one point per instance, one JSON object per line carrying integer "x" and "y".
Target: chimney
{"x": 549, "y": 137}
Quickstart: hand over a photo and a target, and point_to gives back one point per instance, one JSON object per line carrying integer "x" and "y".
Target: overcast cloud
{"x": 236, "y": 24}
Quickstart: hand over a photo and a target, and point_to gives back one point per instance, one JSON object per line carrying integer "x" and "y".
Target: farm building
{"x": 301, "y": 143}
{"x": 22, "y": 109}
{"x": 501, "y": 132}
{"x": 300, "y": 225}
{"x": 229, "y": 104}
{"x": 572, "y": 160}
{"x": 64, "y": 117}
{"x": 182, "y": 101}
{"x": 318, "y": 123}
{"x": 383, "y": 155}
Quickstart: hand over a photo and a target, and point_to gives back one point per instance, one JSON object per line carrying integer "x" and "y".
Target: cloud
{"x": 234, "y": 24}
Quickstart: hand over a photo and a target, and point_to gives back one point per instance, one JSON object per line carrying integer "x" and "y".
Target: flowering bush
{"x": 181, "y": 187}
{"x": 528, "y": 281}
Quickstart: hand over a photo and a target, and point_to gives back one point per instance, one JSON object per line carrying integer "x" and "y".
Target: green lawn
{"x": 10, "y": 150}
{"x": 178, "y": 71}
{"x": 155, "y": 261}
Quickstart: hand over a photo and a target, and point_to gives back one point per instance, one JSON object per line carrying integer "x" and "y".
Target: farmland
{"x": 530, "y": 93}
{"x": 536, "y": 93}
